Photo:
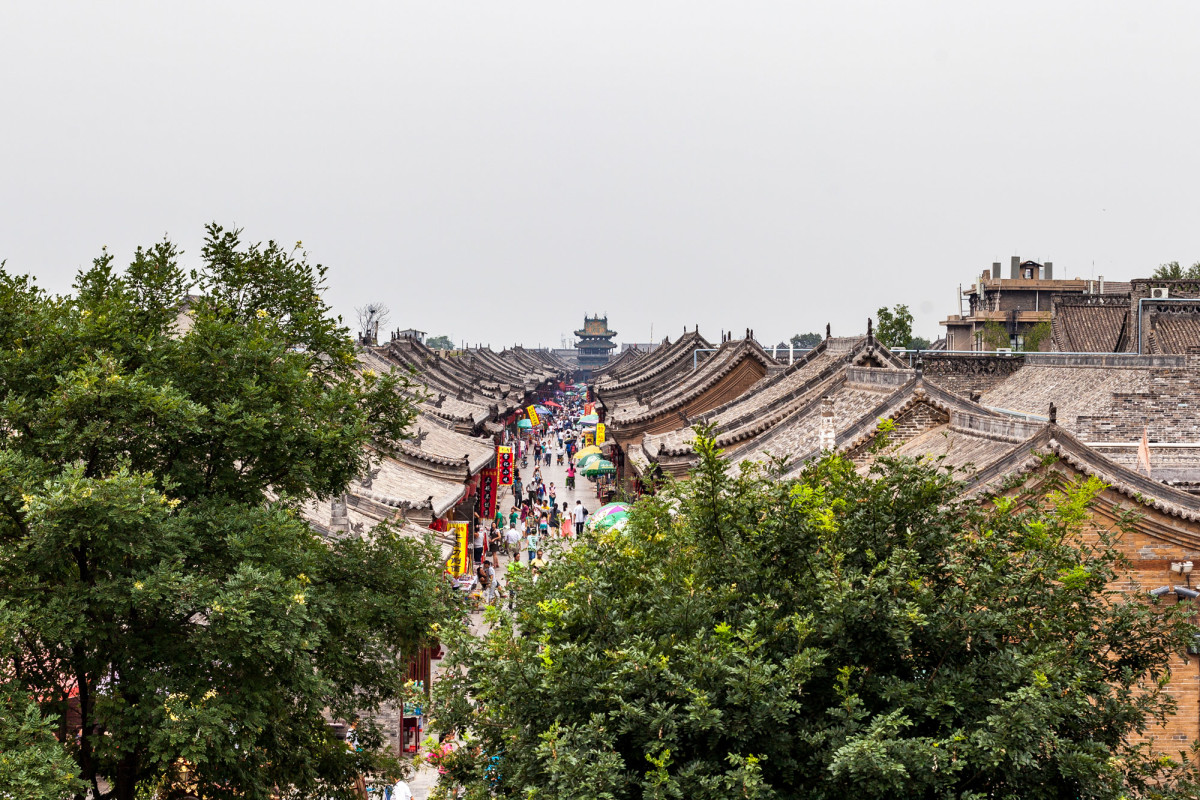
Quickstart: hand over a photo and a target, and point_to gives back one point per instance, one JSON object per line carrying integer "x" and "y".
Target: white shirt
{"x": 401, "y": 791}
{"x": 580, "y": 514}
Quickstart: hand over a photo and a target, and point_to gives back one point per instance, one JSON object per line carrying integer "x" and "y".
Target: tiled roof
{"x": 691, "y": 385}
{"x": 1173, "y": 332}
{"x": 799, "y": 436}
{"x": 776, "y": 397}
{"x": 1091, "y": 328}
{"x": 668, "y": 358}
{"x": 1075, "y": 390}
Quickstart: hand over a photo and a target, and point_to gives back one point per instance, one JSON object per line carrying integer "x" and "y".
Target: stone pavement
{"x": 425, "y": 779}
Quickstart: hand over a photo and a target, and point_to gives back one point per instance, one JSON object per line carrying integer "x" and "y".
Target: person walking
{"x": 580, "y": 515}
{"x": 552, "y": 494}
{"x": 513, "y": 539}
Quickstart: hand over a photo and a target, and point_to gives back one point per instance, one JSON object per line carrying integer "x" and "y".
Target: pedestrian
{"x": 495, "y": 542}
{"x": 401, "y": 791}
{"x": 544, "y": 527}
{"x": 539, "y": 562}
{"x": 552, "y": 494}
{"x": 531, "y": 545}
{"x": 580, "y": 516}
{"x": 555, "y": 521}
{"x": 513, "y": 540}
{"x": 517, "y": 486}
{"x": 477, "y": 545}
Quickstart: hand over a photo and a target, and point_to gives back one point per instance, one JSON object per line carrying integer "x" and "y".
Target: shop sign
{"x": 459, "y": 562}
{"x": 600, "y": 433}
{"x": 533, "y": 417}
{"x": 487, "y": 493}
{"x": 504, "y": 465}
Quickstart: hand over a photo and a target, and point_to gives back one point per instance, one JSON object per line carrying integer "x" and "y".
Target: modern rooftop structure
{"x": 1005, "y": 312}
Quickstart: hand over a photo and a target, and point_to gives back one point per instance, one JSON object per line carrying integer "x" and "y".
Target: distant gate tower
{"x": 595, "y": 342}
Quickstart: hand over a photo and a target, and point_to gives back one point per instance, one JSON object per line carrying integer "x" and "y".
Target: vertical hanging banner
{"x": 600, "y": 433}
{"x": 459, "y": 562}
{"x": 589, "y": 409}
{"x": 589, "y": 438}
{"x": 487, "y": 492}
{"x": 533, "y": 417}
{"x": 504, "y": 465}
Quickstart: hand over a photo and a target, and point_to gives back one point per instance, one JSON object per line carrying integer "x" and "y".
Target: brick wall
{"x": 1168, "y": 407}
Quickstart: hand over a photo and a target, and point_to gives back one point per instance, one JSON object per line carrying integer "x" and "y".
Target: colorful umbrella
{"x": 600, "y": 467}
{"x": 590, "y": 419}
{"x": 607, "y": 516}
{"x": 552, "y": 404}
{"x": 524, "y": 423}
{"x": 590, "y": 450}
{"x": 541, "y": 409}
{"x": 590, "y": 458}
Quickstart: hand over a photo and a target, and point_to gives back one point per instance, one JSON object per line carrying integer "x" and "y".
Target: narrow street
{"x": 424, "y": 780}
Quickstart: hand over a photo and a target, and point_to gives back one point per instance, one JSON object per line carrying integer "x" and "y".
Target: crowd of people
{"x": 535, "y": 515}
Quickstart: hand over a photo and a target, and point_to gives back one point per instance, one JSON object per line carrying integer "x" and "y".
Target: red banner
{"x": 504, "y": 466}
{"x": 487, "y": 493}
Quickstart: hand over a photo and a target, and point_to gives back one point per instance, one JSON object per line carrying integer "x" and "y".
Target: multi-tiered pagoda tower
{"x": 595, "y": 342}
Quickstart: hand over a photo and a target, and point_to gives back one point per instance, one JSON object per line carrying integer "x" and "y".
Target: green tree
{"x": 151, "y": 548}
{"x": 919, "y": 343}
{"x": 440, "y": 343}
{"x": 1036, "y": 336}
{"x": 895, "y": 326}
{"x": 806, "y": 340}
{"x": 33, "y": 765}
{"x": 836, "y": 636}
{"x": 1172, "y": 271}
{"x": 994, "y": 336}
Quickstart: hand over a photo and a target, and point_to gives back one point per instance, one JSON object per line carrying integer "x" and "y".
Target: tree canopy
{"x": 1172, "y": 271}
{"x": 895, "y": 326}
{"x": 440, "y": 343}
{"x": 162, "y": 429}
{"x": 840, "y": 635}
{"x": 806, "y": 340}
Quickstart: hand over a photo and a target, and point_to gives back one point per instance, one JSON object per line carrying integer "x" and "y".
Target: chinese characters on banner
{"x": 589, "y": 409}
{"x": 504, "y": 465}
{"x": 487, "y": 493}
{"x": 600, "y": 433}
{"x": 533, "y": 417}
{"x": 589, "y": 438}
{"x": 459, "y": 562}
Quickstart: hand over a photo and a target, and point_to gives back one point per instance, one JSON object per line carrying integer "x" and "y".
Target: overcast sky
{"x": 495, "y": 170}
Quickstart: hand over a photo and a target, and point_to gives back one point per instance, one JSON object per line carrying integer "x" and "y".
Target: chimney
{"x": 828, "y": 437}
{"x": 1101, "y": 284}
{"x": 996, "y": 270}
{"x": 1048, "y": 271}
{"x": 1016, "y": 267}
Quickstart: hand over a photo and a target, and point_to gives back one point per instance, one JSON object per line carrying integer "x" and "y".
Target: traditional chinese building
{"x": 595, "y": 342}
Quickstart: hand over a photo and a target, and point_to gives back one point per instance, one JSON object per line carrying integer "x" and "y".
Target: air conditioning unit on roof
{"x": 1160, "y": 292}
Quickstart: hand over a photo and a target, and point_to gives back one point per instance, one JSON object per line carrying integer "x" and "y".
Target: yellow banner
{"x": 533, "y": 417}
{"x": 589, "y": 438}
{"x": 600, "y": 433}
{"x": 459, "y": 562}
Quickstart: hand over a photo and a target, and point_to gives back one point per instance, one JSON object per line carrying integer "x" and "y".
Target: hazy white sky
{"x": 494, "y": 170}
